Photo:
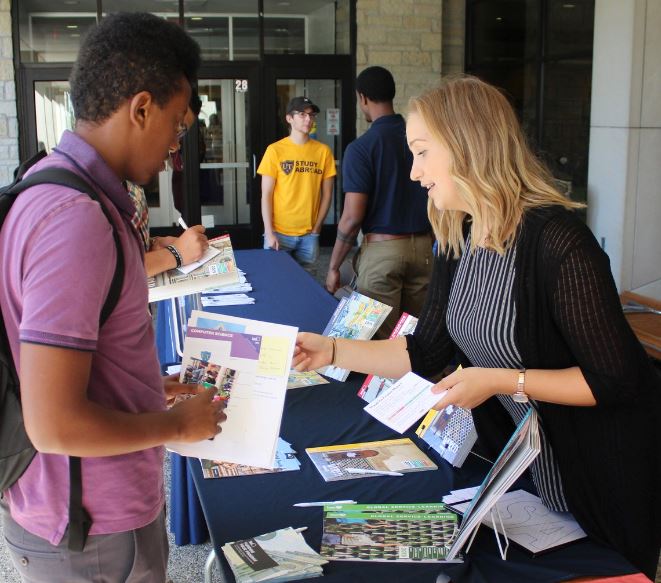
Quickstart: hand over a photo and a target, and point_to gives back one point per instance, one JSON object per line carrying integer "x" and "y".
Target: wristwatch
{"x": 520, "y": 396}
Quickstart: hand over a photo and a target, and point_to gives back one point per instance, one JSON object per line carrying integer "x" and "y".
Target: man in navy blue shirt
{"x": 394, "y": 262}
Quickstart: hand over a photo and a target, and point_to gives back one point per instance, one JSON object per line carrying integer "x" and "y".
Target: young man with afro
{"x": 90, "y": 391}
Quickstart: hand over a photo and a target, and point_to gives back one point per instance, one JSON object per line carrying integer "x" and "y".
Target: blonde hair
{"x": 495, "y": 173}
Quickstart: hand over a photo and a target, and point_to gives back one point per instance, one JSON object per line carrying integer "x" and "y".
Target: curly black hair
{"x": 377, "y": 84}
{"x": 128, "y": 53}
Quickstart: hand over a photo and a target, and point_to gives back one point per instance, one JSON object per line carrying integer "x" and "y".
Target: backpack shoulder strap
{"x": 79, "y": 519}
{"x": 64, "y": 177}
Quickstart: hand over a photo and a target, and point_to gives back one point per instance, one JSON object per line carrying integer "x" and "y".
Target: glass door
{"x": 220, "y": 157}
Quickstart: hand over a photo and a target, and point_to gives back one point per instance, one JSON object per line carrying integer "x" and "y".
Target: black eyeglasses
{"x": 305, "y": 114}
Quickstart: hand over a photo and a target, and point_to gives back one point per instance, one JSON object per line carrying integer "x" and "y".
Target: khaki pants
{"x": 137, "y": 556}
{"x": 396, "y": 272}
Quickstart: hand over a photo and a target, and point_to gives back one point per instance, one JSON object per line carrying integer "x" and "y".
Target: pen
{"x": 182, "y": 223}
{"x": 327, "y": 503}
{"x": 376, "y": 472}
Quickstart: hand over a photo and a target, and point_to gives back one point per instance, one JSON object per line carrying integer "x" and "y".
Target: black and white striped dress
{"x": 481, "y": 317}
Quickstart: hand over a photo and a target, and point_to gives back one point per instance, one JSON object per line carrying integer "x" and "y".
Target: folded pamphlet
{"x": 357, "y": 317}
{"x": 277, "y": 556}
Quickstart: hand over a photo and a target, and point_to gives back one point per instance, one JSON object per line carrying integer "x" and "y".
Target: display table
{"x": 242, "y": 507}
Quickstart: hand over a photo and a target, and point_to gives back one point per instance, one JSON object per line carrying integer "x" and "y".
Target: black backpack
{"x": 16, "y": 450}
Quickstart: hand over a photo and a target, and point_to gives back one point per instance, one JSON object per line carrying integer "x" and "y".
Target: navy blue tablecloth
{"x": 238, "y": 508}
{"x": 242, "y": 507}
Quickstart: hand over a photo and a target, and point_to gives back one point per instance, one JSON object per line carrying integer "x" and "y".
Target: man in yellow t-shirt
{"x": 297, "y": 185}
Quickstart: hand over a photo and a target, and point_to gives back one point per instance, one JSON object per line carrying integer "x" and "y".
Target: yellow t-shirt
{"x": 299, "y": 171}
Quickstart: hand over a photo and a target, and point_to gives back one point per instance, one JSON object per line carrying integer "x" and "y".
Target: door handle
{"x": 254, "y": 166}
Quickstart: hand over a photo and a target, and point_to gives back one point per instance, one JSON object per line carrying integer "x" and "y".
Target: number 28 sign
{"x": 240, "y": 85}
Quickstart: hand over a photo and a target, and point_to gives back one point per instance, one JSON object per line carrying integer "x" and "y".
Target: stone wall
{"x": 453, "y": 31}
{"x": 8, "y": 120}
{"x": 404, "y": 36}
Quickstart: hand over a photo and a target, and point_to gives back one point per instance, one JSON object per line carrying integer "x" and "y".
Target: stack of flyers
{"x": 285, "y": 461}
{"x": 277, "y": 556}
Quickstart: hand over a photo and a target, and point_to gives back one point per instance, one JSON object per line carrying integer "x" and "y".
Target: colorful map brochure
{"x": 357, "y": 317}
{"x": 337, "y": 462}
{"x": 248, "y": 361}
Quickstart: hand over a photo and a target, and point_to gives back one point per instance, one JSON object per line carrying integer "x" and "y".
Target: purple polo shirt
{"x": 57, "y": 259}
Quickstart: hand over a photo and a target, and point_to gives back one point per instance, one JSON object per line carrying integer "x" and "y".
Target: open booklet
{"x": 219, "y": 270}
{"x": 248, "y": 362}
{"x": 426, "y": 532}
{"x": 357, "y": 317}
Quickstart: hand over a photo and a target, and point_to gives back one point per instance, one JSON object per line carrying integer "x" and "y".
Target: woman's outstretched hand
{"x": 312, "y": 351}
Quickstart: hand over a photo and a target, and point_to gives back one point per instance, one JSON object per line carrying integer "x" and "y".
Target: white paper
{"x": 404, "y": 403}
{"x": 462, "y": 495}
{"x": 210, "y": 253}
{"x": 173, "y": 369}
{"x": 530, "y": 524}
{"x": 227, "y": 300}
{"x": 250, "y": 434}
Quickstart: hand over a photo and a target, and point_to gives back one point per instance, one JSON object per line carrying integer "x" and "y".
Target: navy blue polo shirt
{"x": 378, "y": 164}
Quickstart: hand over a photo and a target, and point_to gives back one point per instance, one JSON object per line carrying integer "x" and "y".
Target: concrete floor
{"x": 186, "y": 564}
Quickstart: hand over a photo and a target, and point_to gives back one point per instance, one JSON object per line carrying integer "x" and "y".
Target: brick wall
{"x": 404, "y": 36}
{"x": 8, "y": 120}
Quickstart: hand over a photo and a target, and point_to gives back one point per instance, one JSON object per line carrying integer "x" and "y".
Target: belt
{"x": 376, "y": 237}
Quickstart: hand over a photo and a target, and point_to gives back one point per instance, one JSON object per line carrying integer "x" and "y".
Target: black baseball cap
{"x": 301, "y": 104}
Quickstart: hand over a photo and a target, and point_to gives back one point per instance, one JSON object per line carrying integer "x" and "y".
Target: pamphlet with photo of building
{"x": 345, "y": 462}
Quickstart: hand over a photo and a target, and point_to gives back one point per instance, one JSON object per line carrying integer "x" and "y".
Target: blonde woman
{"x": 523, "y": 295}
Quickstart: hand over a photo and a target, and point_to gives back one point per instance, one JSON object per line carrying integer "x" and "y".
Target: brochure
{"x": 375, "y": 385}
{"x": 520, "y": 451}
{"x": 250, "y": 360}
{"x": 219, "y": 270}
{"x": 404, "y": 403}
{"x": 357, "y": 317}
{"x": 415, "y": 535}
{"x": 450, "y": 432}
{"x": 308, "y": 378}
{"x": 285, "y": 461}
{"x": 282, "y": 555}
{"x": 393, "y": 455}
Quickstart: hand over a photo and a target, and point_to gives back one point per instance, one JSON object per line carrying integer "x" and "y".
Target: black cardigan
{"x": 569, "y": 314}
